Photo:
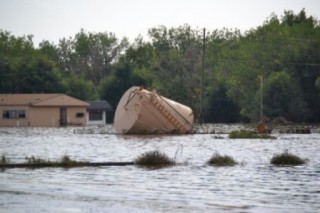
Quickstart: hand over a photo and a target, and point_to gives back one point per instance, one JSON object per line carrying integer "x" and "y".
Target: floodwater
{"x": 254, "y": 185}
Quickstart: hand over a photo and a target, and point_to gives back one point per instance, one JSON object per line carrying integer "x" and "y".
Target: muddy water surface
{"x": 252, "y": 186}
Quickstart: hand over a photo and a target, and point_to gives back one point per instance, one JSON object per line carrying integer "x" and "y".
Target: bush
{"x": 154, "y": 159}
{"x": 248, "y": 134}
{"x": 287, "y": 159}
{"x": 219, "y": 160}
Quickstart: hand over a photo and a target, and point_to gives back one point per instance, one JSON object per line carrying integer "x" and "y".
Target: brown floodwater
{"x": 254, "y": 185}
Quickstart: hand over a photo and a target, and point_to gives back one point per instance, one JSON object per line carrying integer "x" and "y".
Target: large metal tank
{"x": 143, "y": 111}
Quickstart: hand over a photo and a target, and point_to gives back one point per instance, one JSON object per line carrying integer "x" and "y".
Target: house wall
{"x": 50, "y": 116}
{"x": 16, "y": 122}
{"x": 96, "y": 122}
{"x": 43, "y": 116}
{"x": 73, "y": 119}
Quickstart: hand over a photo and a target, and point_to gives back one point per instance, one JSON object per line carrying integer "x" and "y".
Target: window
{"x": 22, "y": 113}
{"x": 79, "y": 114}
{"x": 95, "y": 116}
{"x": 13, "y": 114}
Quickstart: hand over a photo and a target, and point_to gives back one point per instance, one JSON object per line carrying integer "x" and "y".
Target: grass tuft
{"x": 67, "y": 162}
{"x": 221, "y": 160}
{"x": 287, "y": 159}
{"x": 33, "y": 160}
{"x": 4, "y": 160}
{"x": 240, "y": 134}
{"x": 154, "y": 159}
{"x": 64, "y": 162}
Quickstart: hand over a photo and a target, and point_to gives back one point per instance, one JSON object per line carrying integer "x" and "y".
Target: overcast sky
{"x": 54, "y": 19}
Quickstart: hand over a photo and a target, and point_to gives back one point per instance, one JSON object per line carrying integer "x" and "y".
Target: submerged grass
{"x": 241, "y": 134}
{"x": 154, "y": 159}
{"x": 221, "y": 160}
{"x": 287, "y": 159}
{"x": 67, "y": 162}
{"x": 34, "y": 160}
{"x": 4, "y": 160}
{"x": 64, "y": 162}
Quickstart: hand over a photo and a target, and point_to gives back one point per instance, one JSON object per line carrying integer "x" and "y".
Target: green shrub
{"x": 287, "y": 159}
{"x": 238, "y": 134}
{"x": 154, "y": 159}
{"x": 221, "y": 160}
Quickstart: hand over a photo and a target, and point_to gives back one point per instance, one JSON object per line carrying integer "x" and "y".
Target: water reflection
{"x": 253, "y": 186}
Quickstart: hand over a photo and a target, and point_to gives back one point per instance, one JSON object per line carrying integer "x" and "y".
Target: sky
{"x": 56, "y": 19}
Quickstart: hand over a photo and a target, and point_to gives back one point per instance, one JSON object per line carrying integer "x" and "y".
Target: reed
{"x": 287, "y": 159}
{"x": 34, "y": 160}
{"x": 221, "y": 160}
{"x": 154, "y": 159}
{"x": 4, "y": 160}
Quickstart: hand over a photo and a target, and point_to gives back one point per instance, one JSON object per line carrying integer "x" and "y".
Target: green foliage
{"x": 220, "y": 108}
{"x": 221, "y": 160}
{"x": 317, "y": 83}
{"x": 283, "y": 98}
{"x": 246, "y": 134}
{"x": 154, "y": 159}
{"x": 285, "y": 51}
{"x": 80, "y": 88}
{"x": 287, "y": 159}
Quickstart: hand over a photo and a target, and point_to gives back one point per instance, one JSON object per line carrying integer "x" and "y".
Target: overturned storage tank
{"x": 142, "y": 111}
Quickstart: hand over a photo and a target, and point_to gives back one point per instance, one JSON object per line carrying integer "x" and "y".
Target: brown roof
{"x": 40, "y": 100}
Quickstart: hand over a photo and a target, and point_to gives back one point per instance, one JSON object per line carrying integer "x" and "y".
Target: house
{"x": 97, "y": 112}
{"x": 41, "y": 110}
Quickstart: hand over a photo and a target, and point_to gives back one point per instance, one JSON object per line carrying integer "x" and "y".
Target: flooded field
{"x": 254, "y": 185}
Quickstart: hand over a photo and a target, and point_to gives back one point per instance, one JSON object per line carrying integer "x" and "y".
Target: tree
{"x": 90, "y": 55}
{"x": 37, "y": 75}
{"x": 24, "y": 69}
{"x": 177, "y": 63}
{"x": 112, "y": 87}
{"x": 282, "y": 97}
{"x": 80, "y": 88}
{"x": 221, "y": 109}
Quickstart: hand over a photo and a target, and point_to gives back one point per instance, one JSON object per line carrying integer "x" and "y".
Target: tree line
{"x": 284, "y": 52}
